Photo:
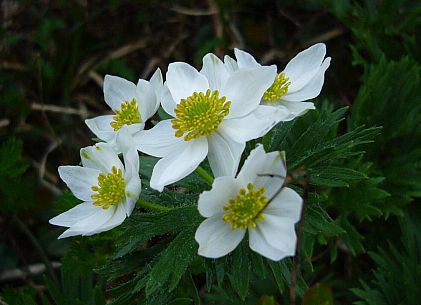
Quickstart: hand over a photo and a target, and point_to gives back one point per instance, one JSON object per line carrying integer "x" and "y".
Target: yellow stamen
{"x": 200, "y": 114}
{"x": 128, "y": 114}
{"x": 110, "y": 190}
{"x": 244, "y": 210}
{"x": 278, "y": 89}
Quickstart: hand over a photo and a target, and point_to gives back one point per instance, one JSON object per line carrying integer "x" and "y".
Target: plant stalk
{"x": 205, "y": 175}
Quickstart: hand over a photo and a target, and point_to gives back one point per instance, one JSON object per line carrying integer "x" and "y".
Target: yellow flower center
{"x": 128, "y": 114}
{"x": 278, "y": 89}
{"x": 200, "y": 114}
{"x": 110, "y": 190}
{"x": 244, "y": 210}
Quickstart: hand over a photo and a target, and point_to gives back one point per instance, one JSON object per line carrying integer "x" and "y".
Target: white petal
{"x": 287, "y": 205}
{"x": 245, "y": 60}
{"x": 159, "y": 141}
{"x": 131, "y": 166}
{"x": 80, "y": 180}
{"x": 132, "y": 179}
{"x": 254, "y": 125}
{"x": 157, "y": 83}
{"x": 224, "y": 155}
{"x": 148, "y": 103}
{"x": 90, "y": 223}
{"x": 312, "y": 88}
{"x": 279, "y": 232}
{"x": 212, "y": 202}
{"x": 116, "y": 219}
{"x": 167, "y": 102}
{"x": 129, "y": 206}
{"x": 308, "y": 60}
{"x": 118, "y": 90}
{"x": 134, "y": 128}
{"x": 259, "y": 162}
{"x": 180, "y": 163}
{"x": 230, "y": 64}
{"x": 183, "y": 80}
{"x": 215, "y": 71}
{"x": 216, "y": 238}
{"x": 259, "y": 244}
{"x": 101, "y": 127}
{"x": 75, "y": 214}
{"x": 245, "y": 88}
{"x": 291, "y": 110}
{"x": 101, "y": 156}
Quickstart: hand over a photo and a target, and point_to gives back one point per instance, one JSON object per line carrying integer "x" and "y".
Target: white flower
{"x": 132, "y": 104}
{"x": 215, "y": 112}
{"x": 235, "y": 205}
{"x": 301, "y": 80}
{"x": 109, "y": 189}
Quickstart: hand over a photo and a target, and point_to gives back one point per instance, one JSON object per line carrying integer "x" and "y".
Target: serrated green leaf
{"x": 173, "y": 262}
{"x": 282, "y": 274}
{"x": 239, "y": 270}
{"x": 334, "y": 176}
{"x": 318, "y": 222}
{"x": 142, "y": 227}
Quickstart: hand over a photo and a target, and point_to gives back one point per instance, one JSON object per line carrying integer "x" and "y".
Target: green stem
{"x": 205, "y": 175}
{"x": 152, "y": 206}
{"x": 37, "y": 246}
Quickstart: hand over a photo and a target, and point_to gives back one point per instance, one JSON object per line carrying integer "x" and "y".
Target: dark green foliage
{"x": 398, "y": 272}
{"x": 142, "y": 227}
{"x": 363, "y": 160}
{"x": 25, "y": 296}
{"x": 391, "y": 97}
{"x": 17, "y": 186}
{"x": 170, "y": 265}
{"x": 239, "y": 270}
{"x": 387, "y": 28}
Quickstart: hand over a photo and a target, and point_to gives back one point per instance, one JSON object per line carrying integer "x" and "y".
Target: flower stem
{"x": 152, "y": 206}
{"x": 205, "y": 175}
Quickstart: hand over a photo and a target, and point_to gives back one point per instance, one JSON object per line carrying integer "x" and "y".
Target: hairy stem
{"x": 205, "y": 175}
{"x": 152, "y": 206}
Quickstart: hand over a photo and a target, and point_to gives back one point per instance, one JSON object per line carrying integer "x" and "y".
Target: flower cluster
{"x": 214, "y": 113}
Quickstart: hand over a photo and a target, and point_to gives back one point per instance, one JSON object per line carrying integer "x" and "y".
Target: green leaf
{"x": 239, "y": 272}
{"x": 334, "y": 176}
{"x": 282, "y": 274}
{"x": 142, "y": 227}
{"x": 318, "y": 222}
{"x": 181, "y": 301}
{"x": 173, "y": 262}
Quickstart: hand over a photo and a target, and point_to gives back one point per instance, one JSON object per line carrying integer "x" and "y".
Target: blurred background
{"x": 54, "y": 55}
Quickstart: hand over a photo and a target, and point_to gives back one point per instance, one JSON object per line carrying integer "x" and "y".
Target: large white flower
{"x": 108, "y": 189}
{"x": 215, "y": 112}
{"x": 235, "y": 205}
{"x": 132, "y": 104}
{"x": 301, "y": 80}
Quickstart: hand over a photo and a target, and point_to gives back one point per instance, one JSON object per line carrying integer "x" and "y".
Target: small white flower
{"x": 132, "y": 104}
{"x": 301, "y": 80}
{"x": 235, "y": 205}
{"x": 109, "y": 189}
{"x": 215, "y": 113}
